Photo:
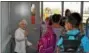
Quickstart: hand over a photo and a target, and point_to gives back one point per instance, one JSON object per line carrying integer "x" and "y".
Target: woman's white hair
{"x": 23, "y": 21}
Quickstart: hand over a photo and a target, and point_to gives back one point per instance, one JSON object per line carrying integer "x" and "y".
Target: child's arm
{"x": 59, "y": 43}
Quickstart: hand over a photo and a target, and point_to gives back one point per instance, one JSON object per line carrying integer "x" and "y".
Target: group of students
{"x": 64, "y": 34}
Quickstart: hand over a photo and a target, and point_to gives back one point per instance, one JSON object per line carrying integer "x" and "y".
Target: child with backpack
{"x": 71, "y": 41}
{"x": 47, "y": 43}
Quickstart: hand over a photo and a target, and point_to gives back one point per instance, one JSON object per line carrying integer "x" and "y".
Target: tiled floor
{"x": 31, "y": 50}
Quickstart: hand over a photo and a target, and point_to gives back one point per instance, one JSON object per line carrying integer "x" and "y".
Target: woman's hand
{"x": 26, "y": 33}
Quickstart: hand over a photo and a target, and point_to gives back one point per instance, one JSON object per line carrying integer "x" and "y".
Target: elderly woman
{"x": 21, "y": 37}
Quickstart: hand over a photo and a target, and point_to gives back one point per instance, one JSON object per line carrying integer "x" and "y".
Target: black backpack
{"x": 71, "y": 45}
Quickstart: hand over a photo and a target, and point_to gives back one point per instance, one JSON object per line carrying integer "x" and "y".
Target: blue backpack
{"x": 87, "y": 27}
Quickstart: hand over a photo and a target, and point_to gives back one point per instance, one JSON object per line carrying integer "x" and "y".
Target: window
{"x": 72, "y": 6}
{"x": 85, "y": 11}
{"x": 50, "y": 8}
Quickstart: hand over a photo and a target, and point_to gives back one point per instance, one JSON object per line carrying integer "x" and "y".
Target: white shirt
{"x": 20, "y": 41}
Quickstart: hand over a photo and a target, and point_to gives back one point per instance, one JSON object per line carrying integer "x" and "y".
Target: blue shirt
{"x": 84, "y": 40}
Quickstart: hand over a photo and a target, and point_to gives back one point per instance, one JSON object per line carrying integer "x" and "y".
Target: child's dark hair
{"x": 67, "y": 10}
{"x": 75, "y": 19}
{"x": 56, "y": 18}
{"x": 62, "y": 21}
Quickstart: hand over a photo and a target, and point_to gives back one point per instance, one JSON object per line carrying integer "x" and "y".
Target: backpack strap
{"x": 79, "y": 36}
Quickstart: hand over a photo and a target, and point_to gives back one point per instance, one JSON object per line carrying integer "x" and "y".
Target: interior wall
{"x": 0, "y": 27}
{"x": 5, "y": 25}
{"x": 16, "y": 16}
{"x": 9, "y": 23}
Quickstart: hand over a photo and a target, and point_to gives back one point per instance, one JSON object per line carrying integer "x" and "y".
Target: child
{"x": 72, "y": 26}
{"x": 47, "y": 43}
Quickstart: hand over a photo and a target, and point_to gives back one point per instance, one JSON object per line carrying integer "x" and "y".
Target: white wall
{"x": 5, "y": 25}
